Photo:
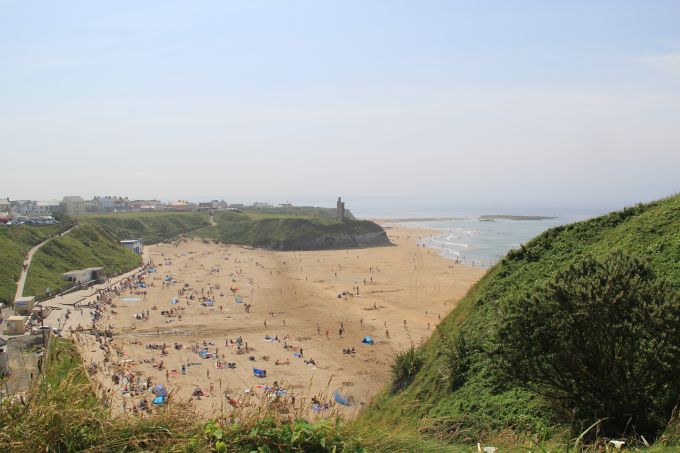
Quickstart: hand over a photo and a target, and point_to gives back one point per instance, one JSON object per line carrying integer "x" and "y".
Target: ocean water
{"x": 482, "y": 243}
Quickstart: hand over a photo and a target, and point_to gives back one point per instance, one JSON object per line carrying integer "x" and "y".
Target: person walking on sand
{"x": 387, "y": 333}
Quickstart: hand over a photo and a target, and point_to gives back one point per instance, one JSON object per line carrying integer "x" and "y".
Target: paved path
{"x": 27, "y": 264}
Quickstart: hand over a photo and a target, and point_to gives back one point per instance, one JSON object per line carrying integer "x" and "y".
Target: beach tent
{"x": 174, "y": 301}
{"x": 367, "y": 340}
{"x": 208, "y": 303}
{"x": 168, "y": 278}
{"x": 160, "y": 390}
{"x": 159, "y": 400}
{"x": 344, "y": 400}
{"x": 259, "y": 373}
{"x": 239, "y": 299}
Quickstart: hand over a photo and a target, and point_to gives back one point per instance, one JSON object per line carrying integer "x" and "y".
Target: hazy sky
{"x": 526, "y": 102}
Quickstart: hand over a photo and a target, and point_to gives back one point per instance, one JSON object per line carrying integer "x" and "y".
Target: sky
{"x": 502, "y": 104}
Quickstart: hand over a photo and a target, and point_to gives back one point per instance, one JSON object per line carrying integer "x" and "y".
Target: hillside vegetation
{"x": 88, "y": 245}
{"x": 15, "y": 241}
{"x": 151, "y": 227}
{"x": 591, "y": 305}
{"x": 293, "y": 232}
{"x": 296, "y": 211}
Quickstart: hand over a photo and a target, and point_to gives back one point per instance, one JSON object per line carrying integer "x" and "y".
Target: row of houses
{"x": 76, "y": 205}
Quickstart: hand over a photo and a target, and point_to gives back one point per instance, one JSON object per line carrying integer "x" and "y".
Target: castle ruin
{"x": 340, "y": 210}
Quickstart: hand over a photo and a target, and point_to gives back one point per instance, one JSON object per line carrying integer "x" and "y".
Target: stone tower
{"x": 340, "y": 210}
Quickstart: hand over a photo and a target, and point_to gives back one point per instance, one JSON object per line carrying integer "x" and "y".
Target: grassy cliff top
{"x": 479, "y": 407}
{"x": 151, "y": 227}
{"x": 283, "y": 231}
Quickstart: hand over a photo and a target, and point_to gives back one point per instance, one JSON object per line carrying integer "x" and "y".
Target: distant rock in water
{"x": 492, "y": 218}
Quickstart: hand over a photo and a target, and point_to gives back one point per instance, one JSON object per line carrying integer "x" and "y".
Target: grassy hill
{"x": 151, "y": 227}
{"x": 14, "y": 242}
{"x": 88, "y": 245}
{"x": 455, "y": 394}
{"x": 292, "y": 232}
{"x": 296, "y": 211}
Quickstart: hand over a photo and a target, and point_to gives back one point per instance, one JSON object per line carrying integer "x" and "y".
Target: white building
{"x": 74, "y": 205}
{"x": 23, "y": 207}
{"x": 47, "y": 207}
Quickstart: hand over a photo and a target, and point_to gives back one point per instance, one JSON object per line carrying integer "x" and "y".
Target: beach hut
{"x": 259, "y": 373}
{"x": 367, "y": 340}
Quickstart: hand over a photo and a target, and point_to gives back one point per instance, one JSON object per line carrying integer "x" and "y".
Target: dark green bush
{"x": 601, "y": 340}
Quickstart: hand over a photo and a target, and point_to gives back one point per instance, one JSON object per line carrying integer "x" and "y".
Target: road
{"x": 27, "y": 264}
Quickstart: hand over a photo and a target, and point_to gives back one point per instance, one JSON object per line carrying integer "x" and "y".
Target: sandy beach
{"x": 397, "y": 295}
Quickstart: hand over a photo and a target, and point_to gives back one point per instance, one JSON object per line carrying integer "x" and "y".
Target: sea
{"x": 476, "y": 242}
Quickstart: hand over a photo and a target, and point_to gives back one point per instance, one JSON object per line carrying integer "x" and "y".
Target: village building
{"x": 112, "y": 204}
{"x": 74, "y": 205}
{"x": 46, "y": 207}
{"x": 85, "y": 276}
{"x": 16, "y": 325}
{"x": 24, "y": 207}
{"x": 24, "y": 305}
{"x": 145, "y": 205}
{"x": 181, "y": 205}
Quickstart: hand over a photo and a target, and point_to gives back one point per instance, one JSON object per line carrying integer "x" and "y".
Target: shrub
{"x": 458, "y": 360}
{"x": 405, "y": 366}
{"x": 601, "y": 340}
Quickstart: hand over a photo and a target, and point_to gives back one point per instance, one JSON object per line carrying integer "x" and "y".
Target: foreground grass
{"x": 61, "y": 414}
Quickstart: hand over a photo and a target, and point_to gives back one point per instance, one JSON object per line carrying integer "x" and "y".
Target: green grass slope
{"x": 283, "y": 232}
{"x": 472, "y": 405}
{"x": 14, "y": 242}
{"x": 296, "y": 211}
{"x": 151, "y": 227}
{"x": 88, "y": 245}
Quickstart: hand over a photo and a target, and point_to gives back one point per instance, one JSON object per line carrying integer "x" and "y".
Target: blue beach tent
{"x": 367, "y": 340}
{"x": 344, "y": 400}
